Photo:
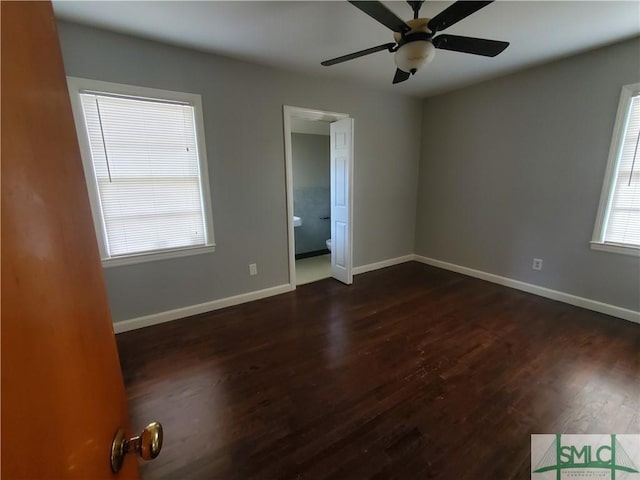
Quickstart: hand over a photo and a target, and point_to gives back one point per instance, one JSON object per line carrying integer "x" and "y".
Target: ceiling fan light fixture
{"x": 414, "y": 41}
{"x": 413, "y": 55}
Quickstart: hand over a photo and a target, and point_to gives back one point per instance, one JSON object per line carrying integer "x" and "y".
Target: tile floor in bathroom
{"x": 312, "y": 269}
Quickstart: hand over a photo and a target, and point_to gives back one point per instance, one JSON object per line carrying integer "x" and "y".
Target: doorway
{"x": 319, "y": 178}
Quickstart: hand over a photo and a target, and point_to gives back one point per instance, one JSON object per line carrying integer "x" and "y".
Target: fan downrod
{"x": 415, "y": 6}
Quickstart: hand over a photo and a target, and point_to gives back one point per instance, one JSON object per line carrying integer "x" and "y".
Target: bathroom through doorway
{"x": 319, "y": 167}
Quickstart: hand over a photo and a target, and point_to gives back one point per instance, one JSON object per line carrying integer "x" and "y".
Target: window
{"x": 618, "y": 222}
{"x": 146, "y": 170}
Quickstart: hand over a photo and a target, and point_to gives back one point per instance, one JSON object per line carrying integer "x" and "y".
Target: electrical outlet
{"x": 537, "y": 264}
{"x": 253, "y": 269}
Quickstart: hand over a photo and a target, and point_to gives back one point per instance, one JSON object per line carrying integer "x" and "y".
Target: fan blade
{"x": 361, "y": 53}
{"x": 400, "y": 76}
{"x": 476, "y": 46}
{"x": 455, "y": 13}
{"x": 382, "y": 14}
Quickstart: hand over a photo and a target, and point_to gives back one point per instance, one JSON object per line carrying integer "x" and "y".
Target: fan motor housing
{"x": 414, "y": 53}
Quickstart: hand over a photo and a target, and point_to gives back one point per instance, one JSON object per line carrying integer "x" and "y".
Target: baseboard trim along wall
{"x": 170, "y": 315}
{"x": 624, "y": 313}
{"x": 383, "y": 264}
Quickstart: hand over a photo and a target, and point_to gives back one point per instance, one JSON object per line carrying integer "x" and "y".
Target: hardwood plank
{"x": 411, "y": 372}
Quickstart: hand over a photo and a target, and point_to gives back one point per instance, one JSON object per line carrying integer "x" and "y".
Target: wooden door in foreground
{"x": 62, "y": 392}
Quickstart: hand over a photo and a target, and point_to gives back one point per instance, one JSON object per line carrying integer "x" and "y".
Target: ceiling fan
{"x": 415, "y": 44}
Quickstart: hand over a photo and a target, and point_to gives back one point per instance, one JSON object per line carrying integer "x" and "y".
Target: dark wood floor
{"x": 411, "y": 372}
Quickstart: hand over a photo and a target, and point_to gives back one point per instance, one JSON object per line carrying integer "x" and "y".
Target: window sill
{"x": 613, "y": 248}
{"x": 154, "y": 256}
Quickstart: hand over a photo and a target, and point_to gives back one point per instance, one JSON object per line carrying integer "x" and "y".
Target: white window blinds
{"x": 145, "y": 159}
{"x": 622, "y": 223}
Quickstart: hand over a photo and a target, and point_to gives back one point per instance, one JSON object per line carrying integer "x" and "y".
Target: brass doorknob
{"x": 148, "y": 445}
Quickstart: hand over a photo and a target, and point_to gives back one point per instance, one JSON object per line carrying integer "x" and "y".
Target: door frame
{"x": 288, "y": 113}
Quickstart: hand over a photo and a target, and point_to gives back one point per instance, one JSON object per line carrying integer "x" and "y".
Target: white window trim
{"x": 76, "y": 86}
{"x": 597, "y": 242}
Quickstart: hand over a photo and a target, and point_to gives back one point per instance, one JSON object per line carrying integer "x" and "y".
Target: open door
{"x": 341, "y": 191}
{"x": 63, "y": 398}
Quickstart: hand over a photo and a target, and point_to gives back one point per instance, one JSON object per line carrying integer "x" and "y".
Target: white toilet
{"x": 329, "y": 244}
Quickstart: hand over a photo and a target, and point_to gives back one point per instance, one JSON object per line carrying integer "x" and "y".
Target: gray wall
{"x": 512, "y": 169}
{"x": 311, "y": 160}
{"x": 244, "y": 134}
{"x": 311, "y": 190}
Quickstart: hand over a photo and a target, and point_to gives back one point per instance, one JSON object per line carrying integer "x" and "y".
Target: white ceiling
{"x": 298, "y": 35}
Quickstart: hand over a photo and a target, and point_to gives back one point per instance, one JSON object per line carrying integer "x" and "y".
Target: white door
{"x": 341, "y": 191}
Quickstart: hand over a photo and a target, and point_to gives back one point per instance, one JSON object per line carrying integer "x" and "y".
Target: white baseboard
{"x": 587, "y": 303}
{"x": 176, "y": 314}
{"x": 170, "y": 315}
{"x": 383, "y": 264}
